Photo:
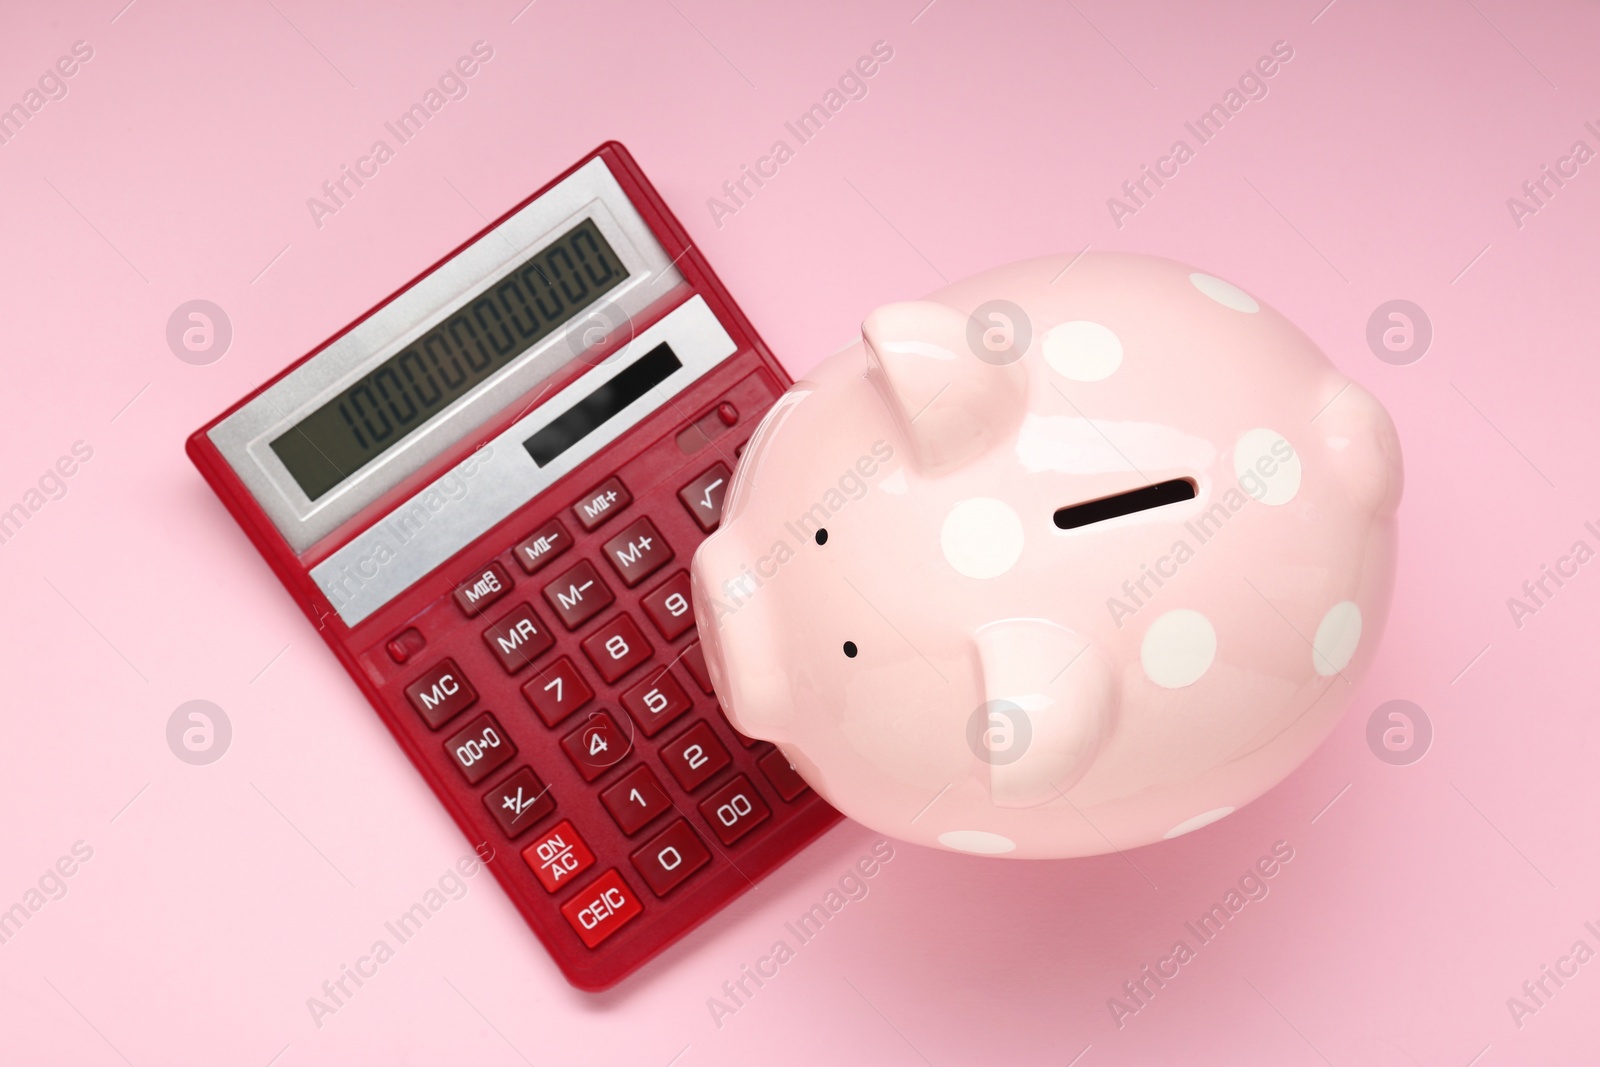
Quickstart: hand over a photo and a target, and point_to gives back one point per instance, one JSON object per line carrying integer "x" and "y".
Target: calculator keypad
{"x": 611, "y": 768}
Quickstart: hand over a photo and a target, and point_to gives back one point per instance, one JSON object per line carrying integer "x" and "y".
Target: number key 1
{"x": 635, "y": 800}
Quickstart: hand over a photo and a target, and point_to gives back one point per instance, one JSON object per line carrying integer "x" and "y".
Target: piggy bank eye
{"x": 850, "y": 649}
{"x": 822, "y": 537}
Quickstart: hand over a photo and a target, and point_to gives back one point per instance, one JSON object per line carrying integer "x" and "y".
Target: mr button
{"x": 602, "y": 908}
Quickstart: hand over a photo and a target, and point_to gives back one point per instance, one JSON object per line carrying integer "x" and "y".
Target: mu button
{"x": 602, "y": 908}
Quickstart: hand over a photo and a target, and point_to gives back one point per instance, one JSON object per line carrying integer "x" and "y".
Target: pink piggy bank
{"x": 1069, "y": 557}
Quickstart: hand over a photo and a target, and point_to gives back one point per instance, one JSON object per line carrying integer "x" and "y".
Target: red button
{"x": 578, "y": 595}
{"x": 518, "y": 638}
{"x": 669, "y": 607}
{"x": 616, "y": 648}
{"x": 405, "y": 644}
{"x": 734, "y": 810}
{"x": 479, "y": 748}
{"x": 482, "y": 589}
{"x": 694, "y": 756}
{"x": 635, "y": 799}
{"x": 704, "y": 496}
{"x": 655, "y": 701}
{"x": 608, "y": 499}
{"x": 441, "y": 694}
{"x": 781, "y": 773}
{"x": 542, "y": 546}
{"x": 597, "y": 746}
{"x": 557, "y": 691}
{"x": 557, "y": 855}
{"x": 519, "y": 802}
{"x": 601, "y": 908}
{"x": 670, "y": 857}
{"x": 694, "y": 661}
{"x": 638, "y": 552}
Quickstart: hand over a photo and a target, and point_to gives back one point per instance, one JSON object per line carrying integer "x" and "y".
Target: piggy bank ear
{"x": 1051, "y": 704}
{"x": 949, "y": 404}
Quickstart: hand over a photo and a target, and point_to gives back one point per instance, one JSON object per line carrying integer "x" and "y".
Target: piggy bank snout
{"x": 740, "y": 646}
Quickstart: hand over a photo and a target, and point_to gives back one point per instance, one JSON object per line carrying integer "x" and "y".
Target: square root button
{"x": 704, "y": 496}
{"x": 601, "y": 908}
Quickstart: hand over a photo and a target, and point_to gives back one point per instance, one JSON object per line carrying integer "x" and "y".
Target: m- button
{"x": 578, "y": 595}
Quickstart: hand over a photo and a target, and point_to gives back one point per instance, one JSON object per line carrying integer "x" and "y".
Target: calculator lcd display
{"x": 406, "y": 391}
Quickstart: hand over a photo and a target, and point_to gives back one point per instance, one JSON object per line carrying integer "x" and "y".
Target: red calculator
{"x": 485, "y": 493}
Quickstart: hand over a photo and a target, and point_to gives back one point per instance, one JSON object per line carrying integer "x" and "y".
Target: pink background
{"x": 220, "y": 897}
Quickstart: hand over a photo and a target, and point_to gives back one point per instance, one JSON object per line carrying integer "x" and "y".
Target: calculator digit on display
{"x": 485, "y": 493}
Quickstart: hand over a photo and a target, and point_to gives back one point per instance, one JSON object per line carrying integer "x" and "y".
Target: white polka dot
{"x": 981, "y": 537}
{"x": 980, "y": 841}
{"x": 1083, "y": 351}
{"x": 1225, "y": 293}
{"x": 1189, "y": 826}
{"x": 1337, "y": 637}
{"x": 1178, "y": 648}
{"x": 1267, "y": 466}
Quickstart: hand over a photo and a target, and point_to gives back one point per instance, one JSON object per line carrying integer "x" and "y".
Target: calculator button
{"x": 542, "y": 546}
{"x": 578, "y": 595}
{"x": 480, "y": 748}
{"x": 482, "y": 589}
{"x": 557, "y": 691}
{"x": 703, "y": 496}
{"x": 519, "y": 802}
{"x": 607, "y": 499}
{"x": 405, "y": 644}
{"x": 694, "y": 661}
{"x": 694, "y": 756}
{"x": 635, "y": 799}
{"x": 602, "y": 908}
{"x": 781, "y": 773}
{"x": 518, "y": 638}
{"x": 734, "y": 810}
{"x": 597, "y": 746}
{"x": 441, "y": 694}
{"x": 638, "y": 552}
{"x": 656, "y": 700}
{"x": 558, "y": 855}
{"x": 669, "y": 607}
{"x": 670, "y": 857}
{"x": 616, "y": 648}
